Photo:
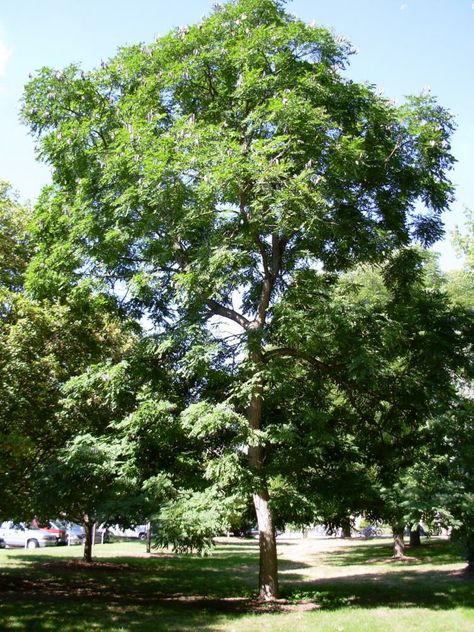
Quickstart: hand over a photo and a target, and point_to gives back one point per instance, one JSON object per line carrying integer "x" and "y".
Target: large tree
{"x": 225, "y": 170}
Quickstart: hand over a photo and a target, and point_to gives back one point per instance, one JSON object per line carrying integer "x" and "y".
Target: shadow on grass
{"x": 437, "y": 552}
{"x": 227, "y": 573}
{"x": 48, "y": 592}
{"x": 438, "y": 590}
{"x": 77, "y": 615}
{"x": 193, "y": 593}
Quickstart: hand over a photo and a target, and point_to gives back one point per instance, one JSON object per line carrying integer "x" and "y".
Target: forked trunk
{"x": 398, "y": 543}
{"x": 89, "y": 529}
{"x": 415, "y": 539}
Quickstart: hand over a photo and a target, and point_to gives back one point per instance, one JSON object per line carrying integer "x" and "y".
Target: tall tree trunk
{"x": 268, "y": 574}
{"x": 415, "y": 539}
{"x": 88, "y": 528}
{"x": 398, "y": 542}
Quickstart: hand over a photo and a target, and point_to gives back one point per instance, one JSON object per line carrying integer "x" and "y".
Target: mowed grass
{"x": 327, "y": 584}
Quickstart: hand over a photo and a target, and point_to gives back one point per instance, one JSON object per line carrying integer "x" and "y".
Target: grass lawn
{"x": 327, "y": 584}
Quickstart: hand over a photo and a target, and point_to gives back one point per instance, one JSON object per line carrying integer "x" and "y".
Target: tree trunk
{"x": 470, "y": 555}
{"x": 148, "y": 537}
{"x": 346, "y": 528}
{"x": 398, "y": 542}
{"x": 415, "y": 539}
{"x": 268, "y": 574}
{"x": 88, "y": 528}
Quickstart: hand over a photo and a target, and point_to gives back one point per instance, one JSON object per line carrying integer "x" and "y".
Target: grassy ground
{"x": 327, "y": 584}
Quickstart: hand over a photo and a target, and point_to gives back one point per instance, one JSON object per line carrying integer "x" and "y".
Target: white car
{"x": 140, "y": 532}
{"x": 26, "y": 536}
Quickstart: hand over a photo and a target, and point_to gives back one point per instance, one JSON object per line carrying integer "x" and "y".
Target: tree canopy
{"x": 231, "y": 172}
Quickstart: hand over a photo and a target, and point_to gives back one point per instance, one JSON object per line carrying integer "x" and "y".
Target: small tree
{"x": 81, "y": 484}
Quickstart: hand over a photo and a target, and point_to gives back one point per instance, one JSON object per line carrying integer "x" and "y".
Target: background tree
{"x": 460, "y": 283}
{"x": 351, "y": 438}
{"x": 215, "y": 173}
{"x": 83, "y": 475}
{"x": 43, "y": 342}
{"x": 454, "y": 496}
{"x": 15, "y": 245}
{"x": 129, "y": 448}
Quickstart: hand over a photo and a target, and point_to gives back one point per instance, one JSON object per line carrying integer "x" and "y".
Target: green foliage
{"x": 455, "y": 493}
{"x": 460, "y": 283}
{"x": 189, "y": 521}
{"x": 15, "y": 245}
{"x": 42, "y": 344}
{"x": 230, "y": 172}
{"x": 205, "y": 419}
{"x": 80, "y": 480}
{"x": 199, "y": 146}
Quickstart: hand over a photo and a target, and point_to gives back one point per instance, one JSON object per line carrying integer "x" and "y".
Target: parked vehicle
{"x": 54, "y": 527}
{"x": 25, "y": 535}
{"x": 140, "y": 532}
{"x": 74, "y": 533}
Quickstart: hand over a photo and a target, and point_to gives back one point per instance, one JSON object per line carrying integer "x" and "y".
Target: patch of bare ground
{"x": 242, "y": 604}
{"x": 403, "y": 558}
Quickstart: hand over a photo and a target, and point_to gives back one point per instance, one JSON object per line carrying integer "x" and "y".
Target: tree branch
{"x": 226, "y": 312}
{"x": 300, "y": 355}
{"x": 256, "y": 237}
{"x": 210, "y": 84}
{"x": 263, "y": 254}
{"x": 269, "y": 281}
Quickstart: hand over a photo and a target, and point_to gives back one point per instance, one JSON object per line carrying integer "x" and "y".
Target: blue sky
{"x": 404, "y": 46}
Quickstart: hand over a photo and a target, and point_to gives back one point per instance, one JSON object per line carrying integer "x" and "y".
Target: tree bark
{"x": 470, "y": 555}
{"x": 271, "y": 262}
{"x": 148, "y": 537}
{"x": 415, "y": 539}
{"x": 268, "y": 574}
{"x": 88, "y": 528}
{"x": 398, "y": 542}
{"x": 346, "y": 528}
